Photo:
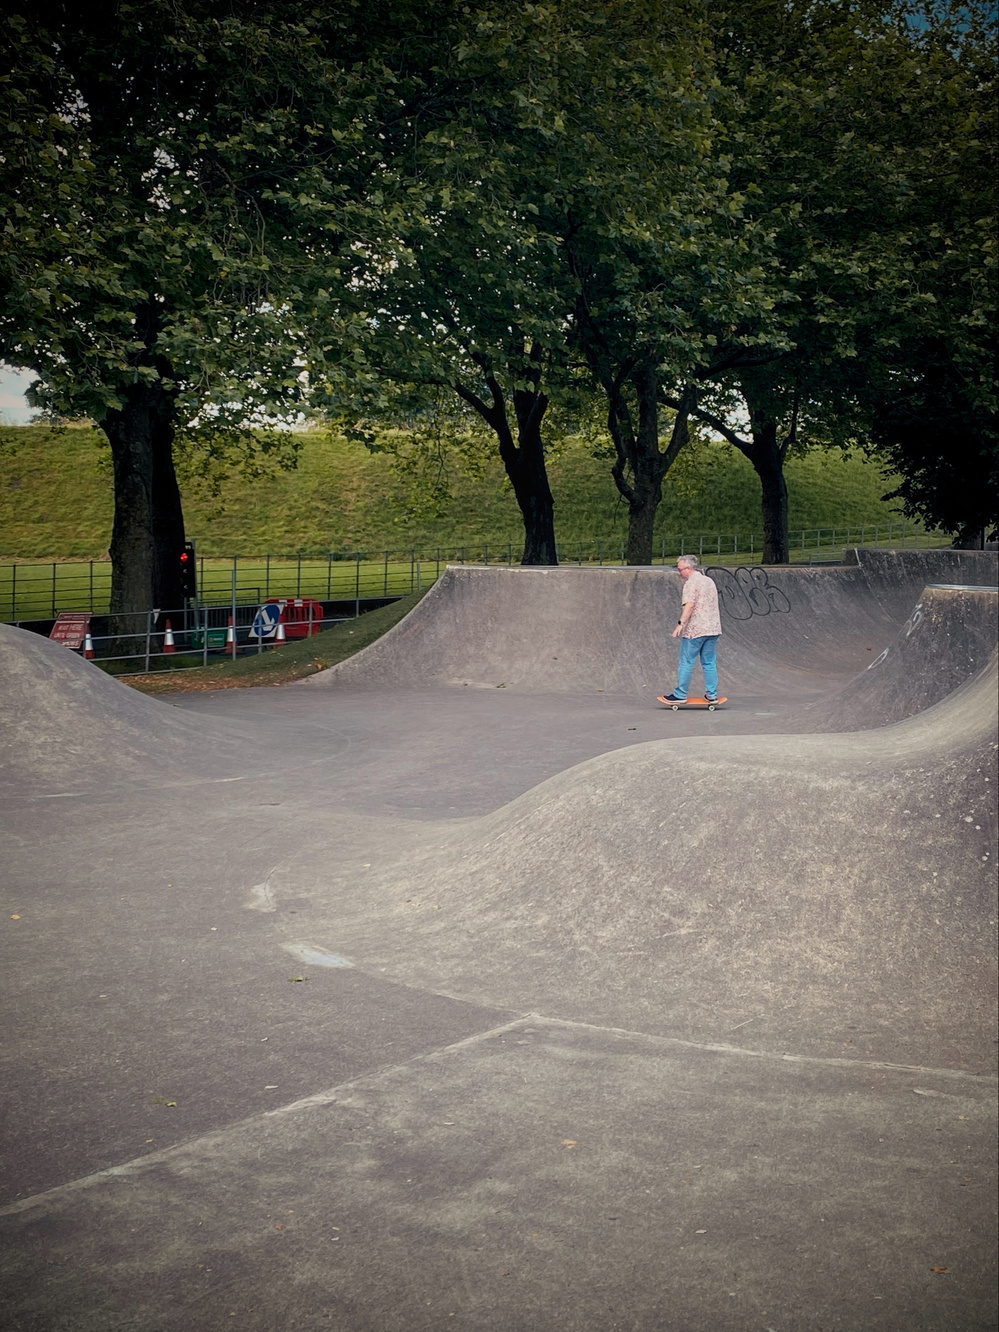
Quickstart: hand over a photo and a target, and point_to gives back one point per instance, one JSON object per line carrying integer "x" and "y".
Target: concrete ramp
{"x": 813, "y": 892}
{"x": 948, "y": 638}
{"x": 573, "y": 630}
{"x": 64, "y": 722}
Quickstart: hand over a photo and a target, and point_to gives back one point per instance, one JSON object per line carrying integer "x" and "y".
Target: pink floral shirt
{"x": 705, "y": 618}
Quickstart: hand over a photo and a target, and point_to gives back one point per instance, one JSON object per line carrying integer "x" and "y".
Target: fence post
{"x": 419, "y": 577}
{"x": 267, "y": 580}
{"x": 509, "y": 552}
{"x": 149, "y": 633}
{"x": 13, "y": 592}
{"x": 54, "y": 612}
{"x": 412, "y": 571}
{"x": 234, "y": 635}
{"x": 438, "y": 561}
{"x": 298, "y": 578}
{"x": 385, "y": 585}
{"x": 91, "y": 587}
{"x": 329, "y": 575}
{"x": 357, "y": 585}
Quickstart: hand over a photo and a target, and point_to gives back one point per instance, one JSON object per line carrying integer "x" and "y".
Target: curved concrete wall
{"x": 582, "y": 629}
{"x": 814, "y": 885}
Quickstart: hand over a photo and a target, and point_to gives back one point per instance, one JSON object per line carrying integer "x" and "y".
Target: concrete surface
{"x": 416, "y": 998}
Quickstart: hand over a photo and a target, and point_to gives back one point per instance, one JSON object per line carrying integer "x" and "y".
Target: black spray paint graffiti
{"x": 746, "y": 592}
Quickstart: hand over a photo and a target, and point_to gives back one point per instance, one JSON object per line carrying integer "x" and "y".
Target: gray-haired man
{"x": 698, "y": 629}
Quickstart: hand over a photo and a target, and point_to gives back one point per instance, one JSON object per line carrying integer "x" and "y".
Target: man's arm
{"x": 686, "y": 612}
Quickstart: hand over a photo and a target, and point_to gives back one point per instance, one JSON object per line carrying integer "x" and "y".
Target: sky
{"x": 13, "y": 409}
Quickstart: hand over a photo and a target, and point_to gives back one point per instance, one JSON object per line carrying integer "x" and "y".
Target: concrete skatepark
{"x": 463, "y": 986}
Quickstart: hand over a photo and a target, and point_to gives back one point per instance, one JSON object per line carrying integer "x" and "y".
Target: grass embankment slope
{"x": 56, "y": 500}
{"x": 278, "y": 666}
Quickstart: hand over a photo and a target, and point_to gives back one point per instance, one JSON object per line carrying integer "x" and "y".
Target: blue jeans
{"x": 691, "y": 649}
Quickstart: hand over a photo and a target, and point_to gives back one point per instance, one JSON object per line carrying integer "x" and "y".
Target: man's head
{"x": 686, "y": 565}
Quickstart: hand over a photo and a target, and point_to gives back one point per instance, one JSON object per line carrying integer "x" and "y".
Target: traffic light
{"x": 188, "y": 572}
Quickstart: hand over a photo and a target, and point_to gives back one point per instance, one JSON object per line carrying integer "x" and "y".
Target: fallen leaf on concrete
{"x": 296, "y": 978}
{"x": 570, "y": 1142}
{"x": 941, "y": 1270}
{"x": 15, "y": 917}
{"x": 700, "y": 1232}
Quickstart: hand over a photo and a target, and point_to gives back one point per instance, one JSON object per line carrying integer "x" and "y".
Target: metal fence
{"x": 174, "y": 640}
{"x": 39, "y": 591}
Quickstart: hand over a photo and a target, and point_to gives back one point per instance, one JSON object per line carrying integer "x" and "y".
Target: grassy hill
{"x": 56, "y": 500}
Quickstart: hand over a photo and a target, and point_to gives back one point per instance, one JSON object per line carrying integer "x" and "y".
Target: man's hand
{"x": 678, "y": 631}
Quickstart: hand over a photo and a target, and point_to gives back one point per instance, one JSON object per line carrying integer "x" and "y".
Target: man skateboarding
{"x": 698, "y": 630}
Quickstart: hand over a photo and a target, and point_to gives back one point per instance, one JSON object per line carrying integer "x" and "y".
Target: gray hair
{"x": 690, "y": 560}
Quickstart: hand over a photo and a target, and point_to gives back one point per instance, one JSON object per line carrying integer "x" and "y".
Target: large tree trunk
{"x": 529, "y": 478}
{"x": 648, "y": 467}
{"x": 767, "y": 456}
{"x": 524, "y": 460}
{"x": 769, "y": 467}
{"x": 148, "y": 532}
{"x": 638, "y": 453}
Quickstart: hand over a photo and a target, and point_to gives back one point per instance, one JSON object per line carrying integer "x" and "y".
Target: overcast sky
{"x": 13, "y": 409}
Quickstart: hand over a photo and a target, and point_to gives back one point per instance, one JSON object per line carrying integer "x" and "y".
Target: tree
{"x": 858, "y": 135}
{"x": 149, "y": 265}
{"x": 572, "y": 160}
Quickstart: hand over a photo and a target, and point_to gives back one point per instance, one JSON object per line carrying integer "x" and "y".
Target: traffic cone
{"x": 168, "y": 644}
{"x": 281, "y": 637}
{"x": 88, "y": 647}
{"x": 230, "y": 637}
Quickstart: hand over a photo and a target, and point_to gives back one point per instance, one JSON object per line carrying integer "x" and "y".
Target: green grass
{"x": 344, "y": 508}
{"x": 56, "y": 501}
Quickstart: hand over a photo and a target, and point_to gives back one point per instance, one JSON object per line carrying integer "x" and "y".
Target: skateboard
{"x": 692, "y": 703}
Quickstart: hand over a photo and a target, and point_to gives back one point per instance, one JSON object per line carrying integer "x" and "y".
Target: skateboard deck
{"x": 708, "y": 703}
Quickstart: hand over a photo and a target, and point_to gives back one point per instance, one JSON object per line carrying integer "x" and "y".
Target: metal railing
{"x": 164, "y": 641}
{"x": 39, "y": 591}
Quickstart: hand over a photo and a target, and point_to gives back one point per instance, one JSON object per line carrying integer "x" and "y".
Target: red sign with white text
{"x": 71, "y": 628}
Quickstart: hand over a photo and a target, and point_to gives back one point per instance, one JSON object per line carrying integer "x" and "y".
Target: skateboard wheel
{"x": 711, "y": 707}
{"x": 675, "y": 707}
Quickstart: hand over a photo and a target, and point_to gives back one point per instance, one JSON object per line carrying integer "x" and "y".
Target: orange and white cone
{"x": 230, "y": 638}
{"x": 168, "y": 644}
{"x": 88, "y": 647}
{"x": 281, "y": 638}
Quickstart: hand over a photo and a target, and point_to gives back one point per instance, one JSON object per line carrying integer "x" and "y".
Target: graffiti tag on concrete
{"x": 744, "y": 592}
{"x": 909, "y": 628}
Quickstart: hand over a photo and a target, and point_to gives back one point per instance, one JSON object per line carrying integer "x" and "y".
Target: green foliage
{"x": 56, "y": 500}
{"x": 865, "y": 134}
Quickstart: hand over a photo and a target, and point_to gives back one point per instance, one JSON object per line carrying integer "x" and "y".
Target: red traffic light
{"x": 188, "y": 571}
